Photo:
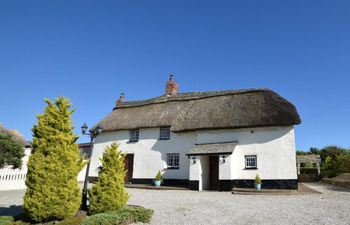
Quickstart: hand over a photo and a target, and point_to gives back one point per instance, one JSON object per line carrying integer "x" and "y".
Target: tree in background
{"x": 334, "y": 159}
{"x": 330, "y": 167}
{"x": 109, "y": 193}
{"x": 314, "y": 151}
{"x": 331, "y": 151}
{"x": 344, "y": 162}
{"x": 52, "y": 187}
{"x": 11, "y": 152}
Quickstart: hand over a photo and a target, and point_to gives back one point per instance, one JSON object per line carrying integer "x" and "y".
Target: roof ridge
{"x": 188, "y": 96}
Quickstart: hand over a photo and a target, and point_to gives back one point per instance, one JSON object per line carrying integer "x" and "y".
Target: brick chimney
{"x": 171, "y": 86}
{"x": 120, "y": 100}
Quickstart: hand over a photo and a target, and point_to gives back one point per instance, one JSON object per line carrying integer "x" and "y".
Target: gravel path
{"x": 192, "y": 207}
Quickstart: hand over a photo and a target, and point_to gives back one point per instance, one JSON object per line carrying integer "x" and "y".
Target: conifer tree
{"x": 52, "y": 187}
{"x": 109, "y": 192}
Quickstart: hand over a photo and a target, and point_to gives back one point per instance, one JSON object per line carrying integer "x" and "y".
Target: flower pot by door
{"x": 157, "y": 183}
{"x": 258, "y": 187}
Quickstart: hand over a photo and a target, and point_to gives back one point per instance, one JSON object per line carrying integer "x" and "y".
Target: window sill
{"x": 173, "y": 168}
{"x": 164, "y": 139}
{"x": 132, "y": 141}
{"x": 255, "y": 168}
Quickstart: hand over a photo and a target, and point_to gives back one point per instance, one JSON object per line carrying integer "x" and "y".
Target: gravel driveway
{"x": 192, "y": 207}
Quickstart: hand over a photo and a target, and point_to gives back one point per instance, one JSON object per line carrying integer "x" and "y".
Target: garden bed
{"x": 123, "y": 216}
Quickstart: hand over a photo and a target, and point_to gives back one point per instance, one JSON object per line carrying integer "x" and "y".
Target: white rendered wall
{"x": 274, "y": 147}
{"x": 81, "y": 175}
{"x": 225, "y": 170}
{"x": 149, "y": 152}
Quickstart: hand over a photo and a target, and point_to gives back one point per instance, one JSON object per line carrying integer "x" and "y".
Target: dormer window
{"x": 134, "y": 135}
{"x": 164, "y": 133}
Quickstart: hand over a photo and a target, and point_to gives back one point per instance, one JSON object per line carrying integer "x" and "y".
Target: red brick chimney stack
{"x": 171, "y": 86}
{"x": 121, "y": 99}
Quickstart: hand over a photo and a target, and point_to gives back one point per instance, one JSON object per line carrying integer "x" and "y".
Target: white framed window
{"x": 164, "y": 133}
{"x": 134, "y": 135}
{"x": 250, "y": 162}
{"x": 173, "y": 160}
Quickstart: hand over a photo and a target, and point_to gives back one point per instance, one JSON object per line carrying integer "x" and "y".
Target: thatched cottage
{"x": 206, "y": 140}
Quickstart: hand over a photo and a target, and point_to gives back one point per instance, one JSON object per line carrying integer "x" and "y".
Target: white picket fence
{"x": 12, "y": 179}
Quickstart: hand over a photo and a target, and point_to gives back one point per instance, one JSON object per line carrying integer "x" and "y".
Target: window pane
{"x": 164, "y": 133}
{"x": 250, "y": 161}
{"x": 134, "y": 135}
{"x": 173, "y": 160}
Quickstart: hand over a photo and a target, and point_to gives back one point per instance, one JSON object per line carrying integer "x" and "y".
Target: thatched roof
{"x": 15, "y": 135}
{"x": 308, "y": 159}
{"x": 204, "y": 110}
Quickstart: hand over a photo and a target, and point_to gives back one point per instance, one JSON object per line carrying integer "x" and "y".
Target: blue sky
{"x": 90, "y": 51}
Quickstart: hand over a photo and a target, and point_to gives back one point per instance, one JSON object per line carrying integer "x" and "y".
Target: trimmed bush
{"x": 109, "y": 193}
{"x": 107, "y": 219}
{"x": 140, "y": 215}
{"x": 124, "y": 215}
{"x": 6, "y": 220}
{"x": 72, "y": 221}
{"x": 52, "y": 187}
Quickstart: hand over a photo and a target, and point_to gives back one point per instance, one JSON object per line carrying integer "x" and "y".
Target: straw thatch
{"x": 15, "y": 135}
{"x": 204, "y": 110}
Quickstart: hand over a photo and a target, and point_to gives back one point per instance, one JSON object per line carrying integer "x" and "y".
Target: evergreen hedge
{"x": 124, "y": 215}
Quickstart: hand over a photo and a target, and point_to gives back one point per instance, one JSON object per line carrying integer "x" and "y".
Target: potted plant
{"x": 158, "y": 179}
{"x": 257, "y": 182}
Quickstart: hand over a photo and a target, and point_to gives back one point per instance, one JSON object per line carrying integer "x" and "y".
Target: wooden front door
{"x": 214, "y": 172}
{"x": 129, "y": 166}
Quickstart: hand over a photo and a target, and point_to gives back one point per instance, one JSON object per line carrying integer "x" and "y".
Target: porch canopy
{"x": 225, "y": 148}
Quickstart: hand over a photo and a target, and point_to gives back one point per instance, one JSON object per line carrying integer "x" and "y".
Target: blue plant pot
{"x": 157, "y": 183}
{"x": 258, "y": 187}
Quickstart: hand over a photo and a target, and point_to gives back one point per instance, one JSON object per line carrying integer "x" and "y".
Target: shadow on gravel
{"x": 12, "y": 210}
{"x": 335, "y": 188}
{"x": 331, "y": 187}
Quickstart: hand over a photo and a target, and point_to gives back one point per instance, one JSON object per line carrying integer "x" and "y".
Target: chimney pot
{"x": 171, "y": 87}
{"x": 121, "y": 99}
